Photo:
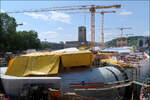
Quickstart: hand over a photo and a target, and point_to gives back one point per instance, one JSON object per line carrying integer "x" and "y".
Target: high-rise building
{"x": 81, "y": 39}
{"x": 82, "y": 34}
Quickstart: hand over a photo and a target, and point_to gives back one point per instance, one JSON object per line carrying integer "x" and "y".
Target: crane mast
{"x": 102, "y": 34}
{"x": 127, "y": 38}
{"x": 92, "y": 28}
{"x": 102, "y": 42}
{"x": 121, "y": 29}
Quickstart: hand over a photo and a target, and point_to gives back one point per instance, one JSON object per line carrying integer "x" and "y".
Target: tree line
{"x": 12, "y": 40}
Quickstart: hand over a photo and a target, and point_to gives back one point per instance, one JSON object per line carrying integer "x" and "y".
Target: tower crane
{"x": 102, "y": 29}
{"x": 102, "y": 13}
{"x": 127, "y": 37}
{"x": 118, "y": 37}
{"x": 121, "y": 29}
{"x": 91, "y": 8}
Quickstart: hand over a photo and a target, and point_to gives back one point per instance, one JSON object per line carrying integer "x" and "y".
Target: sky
{"x": 60, "y": 26}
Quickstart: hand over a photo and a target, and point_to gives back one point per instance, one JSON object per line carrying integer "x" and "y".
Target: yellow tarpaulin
{"x": 110, "y": 61}
{"x": 47, "y": 63}
{"x": 34, "y": 65}
{"x": 82, "y": 58}
{"x": 17, "y": 66}
{"x": 114, "y": 62}
{"x": 42, "y": 65}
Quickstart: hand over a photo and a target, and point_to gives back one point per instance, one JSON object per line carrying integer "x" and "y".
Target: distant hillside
{"x": 132, "y": 41}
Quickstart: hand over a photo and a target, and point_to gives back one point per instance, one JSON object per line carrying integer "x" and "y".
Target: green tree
{"x": 27, "y": 40}
{"x": 7, "y": 31}
{"x": 11, "y": 40}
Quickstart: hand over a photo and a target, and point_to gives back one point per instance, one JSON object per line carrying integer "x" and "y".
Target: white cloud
{"x": 61, "y": 17}
{"x": 60, "y": 28}
{"x": 50, "y": 36}
{"x": 125, "y": 13}
{"x": 38, "y": 16}
{"x": 55, "y": 16}
{"x": 2, "y": 11}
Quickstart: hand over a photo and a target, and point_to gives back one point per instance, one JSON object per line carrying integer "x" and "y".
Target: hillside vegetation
{"x": 132, "y": 41}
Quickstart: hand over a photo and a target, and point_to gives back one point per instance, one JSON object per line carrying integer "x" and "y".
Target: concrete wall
{"x": 13, "y": 85}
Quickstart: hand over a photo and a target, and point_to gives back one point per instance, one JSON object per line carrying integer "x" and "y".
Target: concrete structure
{"x": 76, "y": 44}
{"x": 70, "y": 81}
{"x": 82, "y": 34}
{"x": 144, "y": 43}
{"x": 144, "y": 69}
{"x": 81, "y": 39}
{"x": 14, "y": 85}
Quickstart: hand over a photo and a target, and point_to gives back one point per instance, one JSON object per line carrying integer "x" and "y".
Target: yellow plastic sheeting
{"x": 125, "y": 64}
{"x": 83, "y": 48}
{"x": 111, "y": 61}
{"x": 17, "y": 66}
{"x": 34, "y": 65}
{"x": 40, "y": 54}
{"x": 10, "y": 63}
{"x": 114, "y": 62}
{"x": 105, "y": 54}
{"x": 42, "y": 65}
{"x": 79, "y": 58}
{"x": 47, "y": 63}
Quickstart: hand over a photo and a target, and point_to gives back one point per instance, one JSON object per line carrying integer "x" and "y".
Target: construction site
{"x": 83, "y": 69}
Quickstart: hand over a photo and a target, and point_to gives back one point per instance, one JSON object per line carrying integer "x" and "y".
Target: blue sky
{"x": 61, "y": 26}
